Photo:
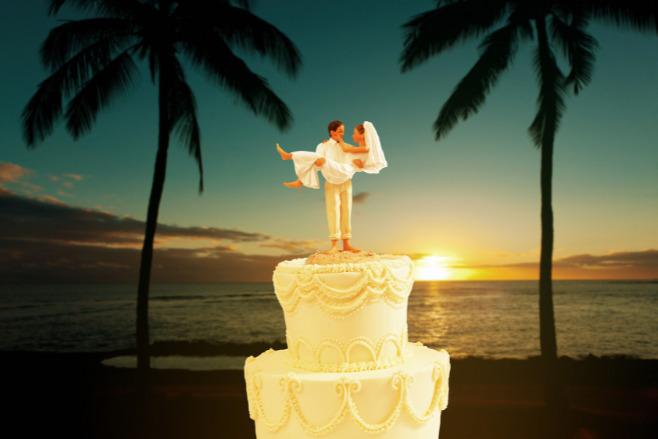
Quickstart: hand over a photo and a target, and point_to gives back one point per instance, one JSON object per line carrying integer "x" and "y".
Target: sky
{"x": 466, "y": 207}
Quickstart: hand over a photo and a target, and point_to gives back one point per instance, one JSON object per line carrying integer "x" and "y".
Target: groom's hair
{"x": 333, "y": 126}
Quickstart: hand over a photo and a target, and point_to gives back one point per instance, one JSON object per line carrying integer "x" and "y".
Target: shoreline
{"x": 207, "y": 349}
{"x": 77, "y": 395}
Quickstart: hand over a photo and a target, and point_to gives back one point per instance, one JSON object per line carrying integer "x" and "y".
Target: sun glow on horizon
{"x": 433, "y": 268}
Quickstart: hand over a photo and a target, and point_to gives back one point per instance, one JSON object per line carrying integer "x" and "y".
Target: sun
{"x": 433, "y": 268}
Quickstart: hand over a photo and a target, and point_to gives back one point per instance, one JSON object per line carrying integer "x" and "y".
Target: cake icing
{"x": 349, "y": 371}
{"x": 345, "y": 317}
{"x": 402, "y": 402}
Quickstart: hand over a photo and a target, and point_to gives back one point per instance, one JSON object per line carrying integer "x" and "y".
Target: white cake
{"x": 349, "y": 371}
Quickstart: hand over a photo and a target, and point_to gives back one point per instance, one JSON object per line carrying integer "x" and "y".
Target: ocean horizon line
{"x": 439, "y": 281}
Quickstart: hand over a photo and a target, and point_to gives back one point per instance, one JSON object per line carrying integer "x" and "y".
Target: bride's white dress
{"x": 336, "y": 172}
{"x": 332, "y": 171}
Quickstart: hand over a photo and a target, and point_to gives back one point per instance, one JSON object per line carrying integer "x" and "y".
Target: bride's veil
{"x": 376, "y": 160}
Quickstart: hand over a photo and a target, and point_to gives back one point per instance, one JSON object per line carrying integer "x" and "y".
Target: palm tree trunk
{"x": 547, "y": 335}
{"x": 554, "y": 394}
{"x": 143, "y": 343}
{"x": 143, "y": 353}
{"x": 143, "y": 357}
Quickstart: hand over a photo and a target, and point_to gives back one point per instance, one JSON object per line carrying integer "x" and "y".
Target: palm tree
{"x": 94, "y": 60}
{"x": 505, "y": 25}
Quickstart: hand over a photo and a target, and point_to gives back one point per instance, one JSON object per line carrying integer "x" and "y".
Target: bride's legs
{"x": 284, "y": 155}
{"x": 297, "y": 183}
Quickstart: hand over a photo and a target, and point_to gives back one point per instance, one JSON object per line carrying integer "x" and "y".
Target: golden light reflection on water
{"x": 427, "y": 320}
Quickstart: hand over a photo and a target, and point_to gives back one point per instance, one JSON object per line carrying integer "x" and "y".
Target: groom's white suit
{"x": 338, "y": 197}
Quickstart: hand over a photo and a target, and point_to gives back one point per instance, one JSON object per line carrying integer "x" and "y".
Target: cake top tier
{"x": 342, "y": 258}
{"x": 342, "y": 288}
{"x": 346, "y": 262}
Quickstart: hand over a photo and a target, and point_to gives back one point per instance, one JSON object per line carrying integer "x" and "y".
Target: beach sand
{"x": 75, "y": 396}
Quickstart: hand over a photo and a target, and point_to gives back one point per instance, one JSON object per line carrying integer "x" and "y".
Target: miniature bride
{"x": 369, "y": 157}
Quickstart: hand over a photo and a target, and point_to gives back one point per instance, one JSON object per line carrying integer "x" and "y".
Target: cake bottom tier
{"x": 401, "y": 402}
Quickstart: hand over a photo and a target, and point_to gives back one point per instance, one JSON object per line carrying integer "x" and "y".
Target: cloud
{"x": 46, "y": 240}
{"x": 14, "y": 174}
{"x": 59, "y": 262}
{"x": 641, "y": 264}
{"x": 47, "y": 218}
{"x": 61, "y": 193}
{"x": 646, "y": 258}
{"x": 53, "y": 200}
{"x": 294, "y": 246}
{"x": 75, "y": 177}
{"x": 612, "y": 260}
{"x": 360, "y": 198}
{"x": 614, "y": 265}
{"x": 11, "y": 173}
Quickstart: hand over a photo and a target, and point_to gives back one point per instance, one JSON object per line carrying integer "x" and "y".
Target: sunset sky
{"x": 466, "y": 207}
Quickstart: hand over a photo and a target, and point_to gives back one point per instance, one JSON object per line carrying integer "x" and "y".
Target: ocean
{"x": 467, "y": 318}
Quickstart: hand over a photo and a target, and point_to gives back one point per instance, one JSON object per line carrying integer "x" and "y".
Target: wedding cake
{"x": 349, "y": 371}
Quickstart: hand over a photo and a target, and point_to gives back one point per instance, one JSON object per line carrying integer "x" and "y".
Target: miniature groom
{"x": 338, "y": 197}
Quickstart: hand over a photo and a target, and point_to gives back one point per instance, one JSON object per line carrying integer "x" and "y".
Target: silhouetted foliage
{"x": 503, "y": 26}
{"x": 94, "y": 60}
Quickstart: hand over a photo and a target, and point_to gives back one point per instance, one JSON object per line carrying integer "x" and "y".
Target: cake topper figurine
{"x": 338, "y": 161}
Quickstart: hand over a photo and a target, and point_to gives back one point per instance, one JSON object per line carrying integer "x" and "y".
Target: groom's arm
{"x": 353, "y": 149}
{"x": 320, "y": 150}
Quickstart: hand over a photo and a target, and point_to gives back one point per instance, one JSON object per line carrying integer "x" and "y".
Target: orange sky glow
{"x": 59, "y": 242}
{"x": 606, "y": 267}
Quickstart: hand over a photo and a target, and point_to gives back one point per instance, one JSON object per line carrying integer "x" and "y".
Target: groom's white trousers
{"x": 338, "y": 198}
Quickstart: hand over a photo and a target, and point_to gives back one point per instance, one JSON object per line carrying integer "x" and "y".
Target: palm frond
{"x": 238, "y": 28}
{"x": 105, "y": 8}
{"x": 42, "y": 111}
{"x": 578, "y": 47}
{"x": 243, "y": 29}
{"x": 83, "y": 5}
{"x": 154, "y": 65}
{"x": 498, "y": 50}
{"x": 181, "y": 109}
{"x": 245, "y": 3}
{"x": 437, "y": 30}
{"x": 45, "y": 107}
{"x": 550, "y": 101}
{"x": 98, "y": 92}
{"x": 639, "y": 15}
{"x": 70, "y": 38}
{"x": 145, "y": 51}
{"x": 215, "y": 58}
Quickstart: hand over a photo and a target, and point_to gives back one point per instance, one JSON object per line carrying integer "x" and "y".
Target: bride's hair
{"x": 360, "y": 129}
{"x": 333, "y": 126}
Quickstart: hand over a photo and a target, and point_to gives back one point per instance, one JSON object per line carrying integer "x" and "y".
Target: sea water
{"x": 467, "y": 318}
